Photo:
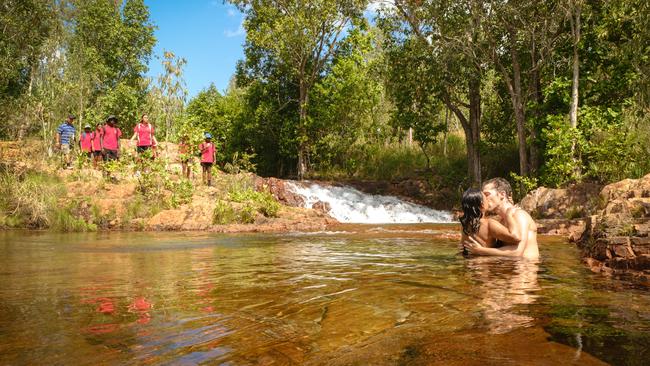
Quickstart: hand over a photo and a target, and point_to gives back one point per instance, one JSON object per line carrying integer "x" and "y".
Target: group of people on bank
{"x": 102, "y": 143}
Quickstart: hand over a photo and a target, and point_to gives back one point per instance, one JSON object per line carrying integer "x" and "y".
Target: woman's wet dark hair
{"x": 471, "y": 203}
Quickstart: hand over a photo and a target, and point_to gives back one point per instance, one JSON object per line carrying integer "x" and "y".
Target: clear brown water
{"x": 368, "y": 295}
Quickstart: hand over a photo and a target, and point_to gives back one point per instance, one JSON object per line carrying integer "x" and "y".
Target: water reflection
{"x": 506, "y": 286}
{"x": 383, "y": 297}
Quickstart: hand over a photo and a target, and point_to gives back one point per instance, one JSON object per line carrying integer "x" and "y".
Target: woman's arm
{"x": 522, "y": 223}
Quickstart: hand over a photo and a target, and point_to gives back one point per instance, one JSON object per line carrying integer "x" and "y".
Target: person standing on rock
{"x": 184, "y": 154}
{"x": 208, "y": 158}
{"x": 65, "y": 136}
{"x": 86, "y": 141}
{"x": 97, "y": 144}
{"x": 497, "y": 194}
{"x": 111, "y": 139}
{"x": 144, "y": 133}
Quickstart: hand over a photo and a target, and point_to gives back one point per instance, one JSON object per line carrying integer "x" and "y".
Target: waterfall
{"x": 350, "y": 205}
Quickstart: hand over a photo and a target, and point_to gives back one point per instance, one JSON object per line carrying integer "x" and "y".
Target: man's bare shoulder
{"x": 522, "y": 215}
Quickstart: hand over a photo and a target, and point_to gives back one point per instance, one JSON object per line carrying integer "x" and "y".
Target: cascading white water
{"x": 350, "y": 205}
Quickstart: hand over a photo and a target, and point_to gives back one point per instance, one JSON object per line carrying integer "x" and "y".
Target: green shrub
{"x": 182, "y": 192}
{"x": 638, "y": 211}
{"x": 30, "y": 199}
{"x": 627, "y": 230}
{"x": 38, "y": 201}
{"x": 241, "y": 163}
{"x": 522, "y": 185}
{"x": 234, "y": 182}
{"x": 246, "y": 213}
{"x": 223, "y": 213}
{"x": 564, "y": 147}
{"x": 268, "y": 205}
{"x": 603, "y": 148}
{"x": 263, "y": 202}
{"x": 141, "y": 207}
{"x": 574, "y": 213}
{"x": 65, "y": 220}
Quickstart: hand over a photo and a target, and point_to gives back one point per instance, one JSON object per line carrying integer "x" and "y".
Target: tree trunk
{"x": 573, "y": 111}
{"x": 302, "y": 138}
{"x": 475, "y": 126}
{"x": 444, "y": 144}
{"x": 516, "y": 97}
{"x": 536, "y": 86}
{"x": 575, "y": 28}
{"x": 81, "y": 110}
{"x": 471, "y": 140}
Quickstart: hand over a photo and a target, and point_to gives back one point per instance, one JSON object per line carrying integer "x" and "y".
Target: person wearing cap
{"x": 208, "y": 158}
{"x": 144, "y": 133}
{"x": 86, "y": 141}
{"x": 65, "y": 136}
{"x": 111, "y": 139}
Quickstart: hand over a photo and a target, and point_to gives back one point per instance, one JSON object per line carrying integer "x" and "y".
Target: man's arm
{"x": 500, "y": 232}
{"x": 522, "y": 222}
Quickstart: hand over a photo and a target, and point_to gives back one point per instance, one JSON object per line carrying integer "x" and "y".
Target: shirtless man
{"x": 497, "y": 193}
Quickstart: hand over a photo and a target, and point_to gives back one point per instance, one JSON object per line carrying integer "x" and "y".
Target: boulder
{"x": 321, "y": 206}
{"x": 572, "y": 229}
{"x": 279, "y": 190}
{"x": 562, "y": 203}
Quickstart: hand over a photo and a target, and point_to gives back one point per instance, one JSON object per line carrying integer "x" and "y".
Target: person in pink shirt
{"x": 208, "y": 158}
{"x": 144, "y": 133}
{"x": 111, "y": 139}
{"x": 96, "y": 145}
{"x": 86, "y": 141}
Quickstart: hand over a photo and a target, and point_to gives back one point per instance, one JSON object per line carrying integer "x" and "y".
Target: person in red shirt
{"x": 144, "y": 133}
{"x": 111, "y": 139}
{"x": 86, "y": 140}
{"x": 208, "y": 158}
{"x": 96, "y": 146}
{"x": 184, "y": 153}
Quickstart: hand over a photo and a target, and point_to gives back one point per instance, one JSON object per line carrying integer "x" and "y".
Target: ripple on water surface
{"x": 376, "y": 295}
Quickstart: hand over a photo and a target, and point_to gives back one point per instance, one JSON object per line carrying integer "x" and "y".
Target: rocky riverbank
{"x": 610, "y": 224}
{"x": 128, "y": 196}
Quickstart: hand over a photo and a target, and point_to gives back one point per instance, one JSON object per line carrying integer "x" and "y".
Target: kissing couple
{"x": 513, "y": 235}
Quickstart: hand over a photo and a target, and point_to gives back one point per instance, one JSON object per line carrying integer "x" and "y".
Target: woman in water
{"x": 487, "y": 232}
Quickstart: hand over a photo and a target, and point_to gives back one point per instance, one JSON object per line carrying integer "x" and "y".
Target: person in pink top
{"x": 208, "y": 158}
{"x": 86, "y": 141}
{"x": 144, "y": 133}
{"x": 96, "y": 146}
{"x": 111, "y": 139}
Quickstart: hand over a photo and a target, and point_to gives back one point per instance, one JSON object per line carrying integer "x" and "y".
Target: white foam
{"x": 350, "y": 205}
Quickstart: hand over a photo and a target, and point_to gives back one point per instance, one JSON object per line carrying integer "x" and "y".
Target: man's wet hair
{"x": 500, "y": 185}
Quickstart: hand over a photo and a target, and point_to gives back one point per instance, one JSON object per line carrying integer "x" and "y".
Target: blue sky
{"x": 207, "y": 33}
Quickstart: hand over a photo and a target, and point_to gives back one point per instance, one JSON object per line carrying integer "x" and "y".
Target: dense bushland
{"x": 547, "y": 92}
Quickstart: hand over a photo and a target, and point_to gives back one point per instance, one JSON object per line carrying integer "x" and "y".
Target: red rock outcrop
{"x": 616, "y": 240}
{"x": 562, "y": 203}
{"x": 279, "y": 190}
